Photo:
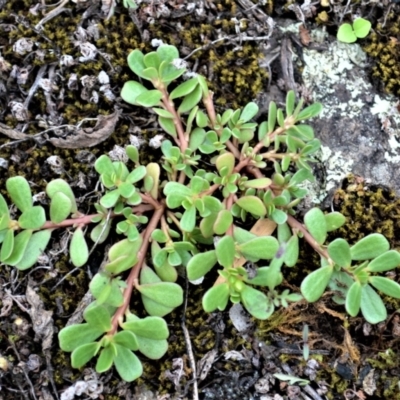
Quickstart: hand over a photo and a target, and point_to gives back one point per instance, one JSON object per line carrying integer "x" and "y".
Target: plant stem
{"x": 134, "y": 274}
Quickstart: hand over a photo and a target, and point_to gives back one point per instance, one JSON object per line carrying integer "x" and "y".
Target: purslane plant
{"x": 193, "y": 213}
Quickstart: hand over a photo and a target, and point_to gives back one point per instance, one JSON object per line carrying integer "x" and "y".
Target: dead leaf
{"x": 205, "y": 364}
{"x": 369, "y": 384}
{"x": 304, "y": 35}
{"x": 90, "y": 137}
{"x": 354, "y": 352}
{"x": 42, "y": 320}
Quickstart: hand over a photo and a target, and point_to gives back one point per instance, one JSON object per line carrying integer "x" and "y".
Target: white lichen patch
{"x": 336, "y": 80}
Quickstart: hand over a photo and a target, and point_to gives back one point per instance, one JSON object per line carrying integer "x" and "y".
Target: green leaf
{"x": 105, "y": 360}
{"x": 59, "y": 185}
{"x": 223, "y": 221}
{"x": 304, "y": 132}
{"x": 339, "y": 251}
{"x": 370, "y": 246}
{"x": 150, "y": 74}
{"x": 100, "y": 286}
{"x": 150, "y": 98}
{"x": 74, "y": 336}
{"x": 313, "y": 286}
{"x": 153, "y": 349}
{"x": 225, "y": 250}
{"x": 20, "y": 244}
{"x": 151, "y": 59}
{"x": 353, "y": 299}
{"x": 98, "y": 317}
{"x": 260, "y": 183}
{"x": 168, "y": 125}
{"x": 291, "y": 251}
{"x": 100, "y": 232}
{"x": 166, "y": 293}
{"x": 263, "y": 247}
{"x": 131, "y": 90}
{"x": 292, "y": 379}
{"x": 78, "y": 248}
{"x": 3, "y": 207}
{"x": 200, "y": 264}
{"x": 386, "y": 286}
{"x": 309, "y": 112}
{"x": 184, "y": 88}
{"x": 60, "y": 207}
{"x": 20, "y": 192}
{"x": 253, "y": 205}
{"x": 188, "y": 220}
{"x": 385, "y": 262}
{"x": 110, "y": 199}
{"x": 346, "y": 34}
{"x": 136, "y": 62}
{"x": 133, "y": 153}
{"x": 226, "y": 160}
{"x": 82, "y": 354}
{"x": 315, "y": 222}
{"x": 334, "y": 220}
{"x": 290, "y": 102}
{"x": 248, "y": 112}
{"x": 361, "y": 27}
{"x": 127, "y": 364}
{"x": 372, "y": 306}
{"x": 33, "y": 218}
{"x": 7, "y": 246}
{"x": 150, "y": 327}
{"x": 36, "y": 246}
{"x": 278, "y": 216}
{"x": 102, "y": 165}
{"x": 216, "y": 298}
{"x": 126, "y": 339}
{"x": 190, "y": 100}
{"x": 256, "y": 303}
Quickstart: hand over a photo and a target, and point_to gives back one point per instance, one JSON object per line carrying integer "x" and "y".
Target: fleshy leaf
{"x": 334, "y": 220}
{"x": 256, "y": 303}
{"x": 150, "y": 327}
{"x": 126, "y": 339}
{"x": 339, "y": 251}
{"x": 105, "y": 360}
{"x": 36, "y": 245}
{"x": 98, "y": 317}
{"x": 20, "y": 192}
{"x": 264, "y": 247}
{"x": 353, "y": 299}
{"x": 78, "y": 248}
{"x": 225, "y": 250}
{"x": 370, "y": 246}
{"x": 20, "y": 244}
{"x": 82, "y": 354}
{"x": 33, "y": 218}
{"x": 153, "y": 349}
{"x": 74, "y": 336}
{"x": 313, "y": 286}
{"x": 372, "y": 306}
{"x": 127, "y": 364}
{"x": 216, "y": 297}
{"x": 200, "y": 264}
{"x": 253, "y": 205}
{"x": 59, "y": 185}
{"x": 386, "y": 286}
{"x": 60, "y": 207}
{"x": 385, "y": 262}
{"x": 315, "y": 222}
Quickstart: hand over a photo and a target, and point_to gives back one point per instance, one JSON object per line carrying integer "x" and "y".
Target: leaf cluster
{"x": 178, "y": 219}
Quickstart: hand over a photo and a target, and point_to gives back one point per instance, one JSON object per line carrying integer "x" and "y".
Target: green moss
{"x": 383, "y": 46}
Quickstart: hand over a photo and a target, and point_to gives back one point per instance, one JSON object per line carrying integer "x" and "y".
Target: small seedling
{"x": 350, "y": 33}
